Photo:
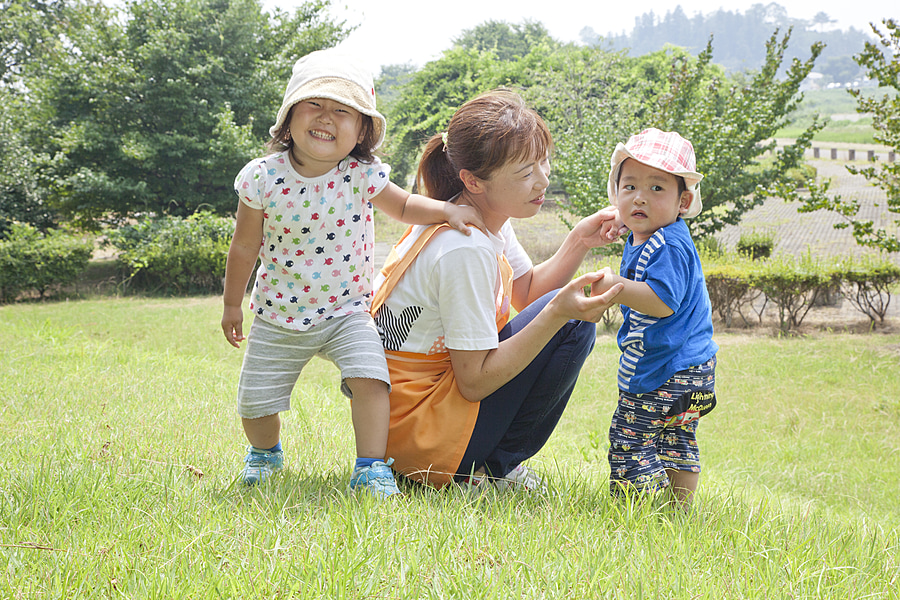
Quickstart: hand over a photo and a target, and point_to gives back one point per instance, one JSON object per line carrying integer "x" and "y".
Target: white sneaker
{"x": 520, "y": 479}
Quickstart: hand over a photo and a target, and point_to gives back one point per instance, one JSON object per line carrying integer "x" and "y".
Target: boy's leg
{"x": 371, "y": 414}
{"x": 679, "y": 450}
{"x": 635, "y": 464}
{"x": 683, "y": 485}
{"x": 264, "y": 456}
{"x": 516, "y": 421}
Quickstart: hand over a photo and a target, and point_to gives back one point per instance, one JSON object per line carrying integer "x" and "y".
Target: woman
{"x": 473, "y": 394}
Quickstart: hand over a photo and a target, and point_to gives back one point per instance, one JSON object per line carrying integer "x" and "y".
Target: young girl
{"x": 306, "y": 212}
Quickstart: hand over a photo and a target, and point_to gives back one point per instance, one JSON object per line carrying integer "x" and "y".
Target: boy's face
{"x": 324, "y": 133}
{"x": 648, "y": 199}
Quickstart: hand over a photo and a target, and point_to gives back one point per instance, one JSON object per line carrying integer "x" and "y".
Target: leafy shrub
{"x": 709, "y": 247}
{"x": 31, "y": 260}
{"x": 730, "y": 285}
{"x": 175, "y": 255}
{"x": 801, "y": 174}
{"x": 756, "y": 244}
{"x": 792, "y": 286}
{"x": 867, "y": 285}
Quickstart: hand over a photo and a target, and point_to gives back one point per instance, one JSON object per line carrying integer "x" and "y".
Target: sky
{"x": 417, "y": 31}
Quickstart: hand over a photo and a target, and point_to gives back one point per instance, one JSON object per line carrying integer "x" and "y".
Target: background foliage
{"x": 149, "y": 109}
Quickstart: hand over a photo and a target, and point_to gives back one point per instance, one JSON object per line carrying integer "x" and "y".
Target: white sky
{"x": 416, "y": 31}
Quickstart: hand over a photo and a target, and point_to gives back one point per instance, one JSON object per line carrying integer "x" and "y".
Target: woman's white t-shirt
{"x": 449, "y": 296}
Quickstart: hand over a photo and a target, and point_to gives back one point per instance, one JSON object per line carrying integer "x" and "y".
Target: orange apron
{"x": 431, "y": 422}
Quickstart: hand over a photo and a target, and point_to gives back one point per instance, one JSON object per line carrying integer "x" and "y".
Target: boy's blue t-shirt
{"x": 653, "y": 348}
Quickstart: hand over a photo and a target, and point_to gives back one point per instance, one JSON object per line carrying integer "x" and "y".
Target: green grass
{"x": 827, "y": 104}
{"x": 841, "y": 132}
{"x": 120, "y": 444}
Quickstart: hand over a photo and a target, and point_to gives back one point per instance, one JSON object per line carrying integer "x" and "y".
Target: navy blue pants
{"x": 516, "y": 421}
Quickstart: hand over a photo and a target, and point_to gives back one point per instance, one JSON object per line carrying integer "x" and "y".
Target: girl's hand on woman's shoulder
{"x": 459, "y": 217}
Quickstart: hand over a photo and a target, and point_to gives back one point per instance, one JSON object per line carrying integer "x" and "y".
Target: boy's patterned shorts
{"x": 656, "y": 431}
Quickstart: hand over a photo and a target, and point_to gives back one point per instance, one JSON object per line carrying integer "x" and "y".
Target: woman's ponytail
{"x": 436, "y": 177}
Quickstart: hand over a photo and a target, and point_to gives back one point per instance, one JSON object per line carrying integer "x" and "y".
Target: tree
{"x": 153, "y": 110}
{"x": 508, "y": 41}
{"x": 740, "y": 35}
{"x": 732, "y": 126}
{"x": 20, "y": 197}
{"x": 731, "y": 123}
{"x": 884, "y": 67}
{"x": 821, "y": 19}
{"x": 426, "y": 102}
{"x": 28, "y": 31}
{"x": 391, "y": 79}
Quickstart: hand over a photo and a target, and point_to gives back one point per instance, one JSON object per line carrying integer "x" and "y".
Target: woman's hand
{"x": 600, "y": 228}
{"x": 572, "y": 303}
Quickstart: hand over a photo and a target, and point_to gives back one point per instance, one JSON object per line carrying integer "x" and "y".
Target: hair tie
{"x": 444, "y": 139}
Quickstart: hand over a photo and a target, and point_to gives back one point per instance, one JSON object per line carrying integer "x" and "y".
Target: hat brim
{"x": 339, "y": 90}
{"x": 691, "y": 179}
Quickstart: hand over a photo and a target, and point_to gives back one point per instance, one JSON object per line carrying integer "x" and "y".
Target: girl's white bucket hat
{"x": 335, "y": 75}
{"x": 663, "y": 150}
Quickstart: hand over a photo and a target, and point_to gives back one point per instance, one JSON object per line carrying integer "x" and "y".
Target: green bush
{"x": 35, "y": 261}
{"x": 730, "y": 285}
{"x": 801, "y": 174}
{"x": 756, "y": 244}
{"x": 793, "y": 286}
{"x": 867, "y": 284}
{"x": 174, "y": 255}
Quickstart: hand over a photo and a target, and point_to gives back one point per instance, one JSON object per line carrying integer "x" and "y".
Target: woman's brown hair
{"x": 484, "y": 134}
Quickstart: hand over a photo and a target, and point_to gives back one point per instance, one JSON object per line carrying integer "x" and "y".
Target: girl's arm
{"x": 416, "y": 209}
{"x": 242, "y": 255}
{"x": 596, "y": 230}
{"x": 482, "y": 372}
{"x": 637, "y": 295}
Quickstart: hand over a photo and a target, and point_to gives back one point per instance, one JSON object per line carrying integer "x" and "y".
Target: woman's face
{"x": 516, "y": 190}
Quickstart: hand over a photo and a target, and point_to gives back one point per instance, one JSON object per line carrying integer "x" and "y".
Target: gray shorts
{"x": 275, "y": 356}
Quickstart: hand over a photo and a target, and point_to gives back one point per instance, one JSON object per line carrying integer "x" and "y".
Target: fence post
{"x": 834, "y": 154}
{"x": 815, "y": 153}
{"x": 871, "y": 155}
{"x": 890, "y": 157}
{"x": 851, "y": 154}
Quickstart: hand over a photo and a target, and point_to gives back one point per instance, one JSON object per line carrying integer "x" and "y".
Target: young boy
{"x": 666, "y": 372}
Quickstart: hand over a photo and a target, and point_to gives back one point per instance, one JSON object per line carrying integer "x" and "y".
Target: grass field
{"x": 839, "y": 107}
{"x": 120, "y": 445}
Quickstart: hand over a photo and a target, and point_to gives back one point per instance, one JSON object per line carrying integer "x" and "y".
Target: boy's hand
{"x": 459, "y": 217}
{"x": 572, "y": 302}
{"x": 232, "y": 325}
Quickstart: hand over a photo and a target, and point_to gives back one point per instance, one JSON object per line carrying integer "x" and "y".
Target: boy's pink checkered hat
{"x": 663, "y": 150}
